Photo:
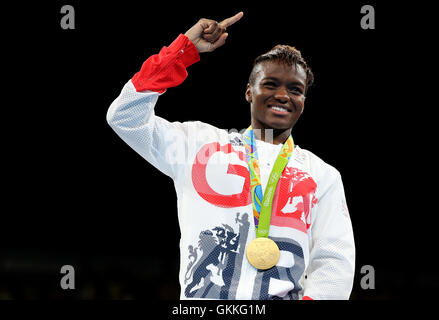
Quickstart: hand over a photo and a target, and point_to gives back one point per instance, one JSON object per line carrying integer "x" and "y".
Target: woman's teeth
{"x": 278, "y": 108}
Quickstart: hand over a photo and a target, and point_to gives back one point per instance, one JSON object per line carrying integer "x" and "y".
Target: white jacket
{"x": 310, "y": 221}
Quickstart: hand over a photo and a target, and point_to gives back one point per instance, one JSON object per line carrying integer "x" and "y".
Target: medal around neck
{"x": 263, "y": 253}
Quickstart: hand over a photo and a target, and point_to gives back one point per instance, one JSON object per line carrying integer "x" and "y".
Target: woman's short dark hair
{"x": 283, "y": 54}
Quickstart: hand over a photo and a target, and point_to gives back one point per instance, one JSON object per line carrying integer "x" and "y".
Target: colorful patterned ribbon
{"x": 262, "y": 203}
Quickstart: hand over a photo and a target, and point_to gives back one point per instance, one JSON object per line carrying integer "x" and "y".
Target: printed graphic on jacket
{"x": 226, "y": 174}
{"x": 216, "y": 262}
{"x": 294, "y": 199}
{"x": 215, "y": 265}
{"x": 292, "y": 202}
{"x": 282, "y": 281}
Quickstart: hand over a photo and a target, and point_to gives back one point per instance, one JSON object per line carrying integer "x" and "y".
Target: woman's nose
{"x": 281, "y": 94}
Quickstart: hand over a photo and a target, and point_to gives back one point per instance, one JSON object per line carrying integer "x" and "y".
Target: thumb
{"x": 221, "y": 41}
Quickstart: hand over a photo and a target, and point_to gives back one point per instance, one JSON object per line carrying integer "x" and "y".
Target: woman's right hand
{"x": 208, "y": 35}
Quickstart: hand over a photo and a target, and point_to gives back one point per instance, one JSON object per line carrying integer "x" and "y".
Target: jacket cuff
{"x": 187, "y": 51}
{"x": 167, "y": 68}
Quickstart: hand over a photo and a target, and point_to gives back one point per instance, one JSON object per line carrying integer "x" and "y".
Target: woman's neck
{"x": 270, "y": 135}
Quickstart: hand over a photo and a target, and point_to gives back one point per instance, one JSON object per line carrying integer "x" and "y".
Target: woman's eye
{"x": 270, "y": 84}
{"x": 295, "y": 90}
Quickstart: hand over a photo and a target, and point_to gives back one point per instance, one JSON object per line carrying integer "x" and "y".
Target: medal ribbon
{"x": 262, "y": 203}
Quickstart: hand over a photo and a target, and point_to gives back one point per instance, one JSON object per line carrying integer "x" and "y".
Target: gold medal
{"x": 262, "y": 253}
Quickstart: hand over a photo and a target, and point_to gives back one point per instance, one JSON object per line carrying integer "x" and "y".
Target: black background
{"x": 74, "y": 193}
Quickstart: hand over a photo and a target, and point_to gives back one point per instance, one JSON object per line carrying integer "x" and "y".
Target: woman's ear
{"x": 303, "y": 108}
{"x": 248, "y": 93}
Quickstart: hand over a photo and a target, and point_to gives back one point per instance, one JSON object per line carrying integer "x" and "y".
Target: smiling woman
{"x": 276, "y": 98}
{"x": 276, "y": 91}
{"x": 289, "y": 197}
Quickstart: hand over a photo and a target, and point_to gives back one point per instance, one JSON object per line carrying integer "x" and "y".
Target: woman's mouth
{"x": 277, "y": 109}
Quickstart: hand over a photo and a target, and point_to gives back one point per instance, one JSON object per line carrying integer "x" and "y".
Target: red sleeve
{"x": 307, "y": 298}
{"x": 168, "y": 68}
